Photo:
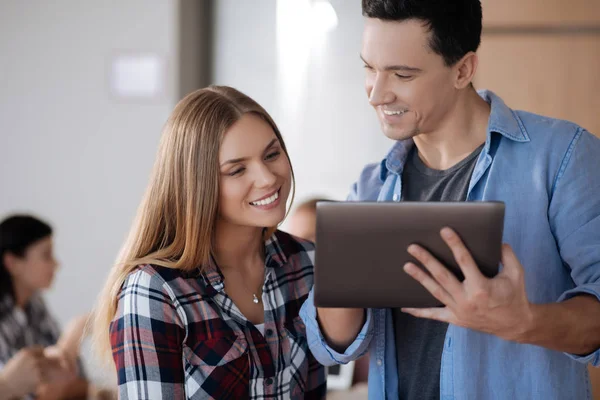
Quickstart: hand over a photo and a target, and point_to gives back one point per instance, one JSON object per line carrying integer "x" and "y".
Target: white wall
{"x": 315, "y": 92}
{"x": 78, "y": 157}
{"x": 71, "y": 152}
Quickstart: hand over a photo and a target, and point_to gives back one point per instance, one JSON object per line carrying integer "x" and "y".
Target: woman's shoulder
{"x": 291, "y": 244}
{"x": 294, "y": 252}
{"x": 148, "y": 278}
{"x": 168, "y": 284}
{"x": 153, "y": 273}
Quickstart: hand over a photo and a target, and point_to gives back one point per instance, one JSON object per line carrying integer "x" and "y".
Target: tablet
{"x": 361, "y": 248}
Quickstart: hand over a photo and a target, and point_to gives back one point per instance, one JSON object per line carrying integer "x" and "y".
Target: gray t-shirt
{"x": 419, "y": 342}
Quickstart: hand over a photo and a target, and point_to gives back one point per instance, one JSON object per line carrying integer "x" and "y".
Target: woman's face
{"x": 35, "y": 270}
{"x": 255, "y": 176}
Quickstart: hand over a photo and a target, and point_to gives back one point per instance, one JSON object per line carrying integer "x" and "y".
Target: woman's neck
{"x": 238, "y": 246}
{"x": 22, "y": 295}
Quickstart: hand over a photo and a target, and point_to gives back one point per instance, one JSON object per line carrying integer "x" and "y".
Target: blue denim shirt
{"x": 548, "y": 173}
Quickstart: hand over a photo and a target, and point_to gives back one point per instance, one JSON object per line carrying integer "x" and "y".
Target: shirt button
{"x": 396, "y": 197}
{"x": 379, "y": 362}
{"x": 269, "y": 332}
{"x": 269, "y": 381}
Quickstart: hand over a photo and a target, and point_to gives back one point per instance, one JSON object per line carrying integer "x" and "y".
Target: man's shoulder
{"x": 528, "y": 127}
{"x": 540, "y": 127}
{"x": 369, "y": 182}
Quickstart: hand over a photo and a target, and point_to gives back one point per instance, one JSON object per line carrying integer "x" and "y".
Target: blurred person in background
{"x": 203, "y": 301}
{"x": 35, "y": 359}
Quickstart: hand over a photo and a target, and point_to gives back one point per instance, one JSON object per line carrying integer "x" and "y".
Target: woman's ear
{"x": 11, "y": 262}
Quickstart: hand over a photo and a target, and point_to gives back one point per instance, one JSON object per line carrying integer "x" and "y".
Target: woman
{"x": 204, "y": 300}
{"x": 33, "y": 358}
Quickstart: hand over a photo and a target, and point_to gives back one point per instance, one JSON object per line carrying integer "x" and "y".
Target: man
{"x": 527, "y": 333}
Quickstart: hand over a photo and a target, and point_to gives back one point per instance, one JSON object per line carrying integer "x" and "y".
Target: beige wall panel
{"x": 541, "y": 12}
{"x": 554, "y": 75}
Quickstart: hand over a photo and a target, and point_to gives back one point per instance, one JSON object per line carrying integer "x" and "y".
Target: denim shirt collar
{"x": 502, "y": 120}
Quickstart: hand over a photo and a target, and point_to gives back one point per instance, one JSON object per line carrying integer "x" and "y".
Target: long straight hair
{"x": 176, "y": 219}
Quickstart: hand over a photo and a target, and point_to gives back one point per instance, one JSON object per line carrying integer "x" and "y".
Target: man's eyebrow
{"x": 404, "y": 68}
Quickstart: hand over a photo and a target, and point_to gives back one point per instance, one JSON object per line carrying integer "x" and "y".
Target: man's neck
{"x": 463, "y": 130}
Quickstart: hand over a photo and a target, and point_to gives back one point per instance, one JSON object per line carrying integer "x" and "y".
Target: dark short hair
{"x": 455, "y": 25}
{"x": 17, "y": 233}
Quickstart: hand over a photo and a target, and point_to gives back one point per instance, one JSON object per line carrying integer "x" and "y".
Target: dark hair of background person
{"x": 17, "y": 233}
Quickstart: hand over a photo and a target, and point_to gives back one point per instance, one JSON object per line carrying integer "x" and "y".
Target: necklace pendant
{"x": 254, "y": 299}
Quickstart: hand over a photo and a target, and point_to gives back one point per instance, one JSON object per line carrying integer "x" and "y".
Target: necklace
{"x": 255, "y": 298}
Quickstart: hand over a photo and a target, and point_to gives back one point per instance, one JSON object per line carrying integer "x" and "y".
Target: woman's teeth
{"x": 267, "y": 201}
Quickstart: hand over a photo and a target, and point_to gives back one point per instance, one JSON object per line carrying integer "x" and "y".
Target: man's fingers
{"x": 430, "y": 284}
{"x": 461, "y": 254}
{"x": 443, "y": 314}
{"x": 511, "y": 265}
{"x": 438, "y": 271}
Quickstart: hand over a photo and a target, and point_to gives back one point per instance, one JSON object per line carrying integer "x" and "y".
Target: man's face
{"x": 410, "y": 87}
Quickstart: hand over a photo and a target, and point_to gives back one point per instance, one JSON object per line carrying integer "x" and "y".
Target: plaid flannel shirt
{"x": 178, "y": 335}
{"x": 21, "y": 328}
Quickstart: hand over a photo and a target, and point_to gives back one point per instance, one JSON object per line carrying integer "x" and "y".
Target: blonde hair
{"x": 177, "y": 216}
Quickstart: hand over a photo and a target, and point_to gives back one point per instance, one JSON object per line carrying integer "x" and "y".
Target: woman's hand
{"x": 22, "y": 374}
{"x": 60, "y": 371}
{"x": 70, "y": 340}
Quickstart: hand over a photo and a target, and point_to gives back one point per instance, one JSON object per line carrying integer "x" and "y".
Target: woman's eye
{"x": 236, "y": 172}
{"x": 273, "y": 155}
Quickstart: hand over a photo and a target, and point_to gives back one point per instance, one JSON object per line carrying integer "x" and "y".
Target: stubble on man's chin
{"x": 400, "y": 136}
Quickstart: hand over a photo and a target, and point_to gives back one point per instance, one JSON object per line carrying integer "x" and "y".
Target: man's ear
{"x": 465, "y": 70}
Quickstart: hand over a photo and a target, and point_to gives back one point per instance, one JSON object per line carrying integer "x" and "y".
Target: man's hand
{"x": 498, "y": 306}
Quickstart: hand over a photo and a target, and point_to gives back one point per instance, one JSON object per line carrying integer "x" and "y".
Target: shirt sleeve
{"x": 574, "y": 215}
{"x": 146, "y": 338}
{"x": 318, "y": 345}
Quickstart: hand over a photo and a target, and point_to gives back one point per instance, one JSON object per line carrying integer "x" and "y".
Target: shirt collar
{"x": 274, "y": 258}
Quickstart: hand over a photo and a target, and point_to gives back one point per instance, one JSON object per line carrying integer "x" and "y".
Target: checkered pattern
{"x": 21, "y": 328}
{"x": 27, "y": 327}
{"x": 178, "y": 335}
